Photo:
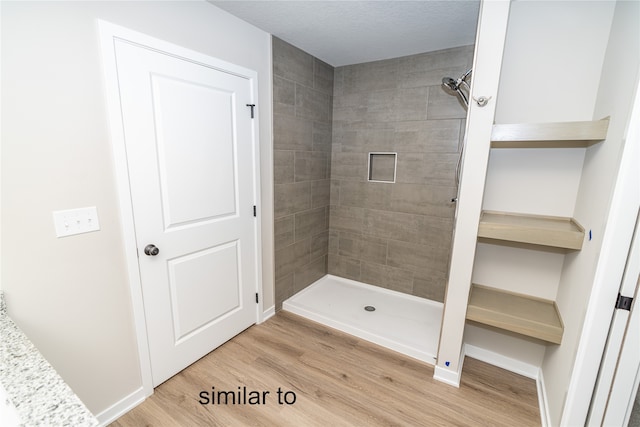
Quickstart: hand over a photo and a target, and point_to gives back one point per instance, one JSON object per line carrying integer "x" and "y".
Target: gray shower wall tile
{"x": 365, "y": 140}
{"x": 319, "y": 245}
{"x": 378, "y": 195}
{"x": 291, "y": 257}
{"x": 387, "y": 277}
{"x": 292, "y": 63}
{"x": 382, "y": 106}
{"x": 445, "y": 58}
{"x": 303, "y": 96}
{"x": 369, "y": 77}
{"x": 322, "y": 76}
{"x": 371, "y": 195}
{"x": 283, "y": 229}
{"x": 283, "y": 162}
{"x": 431, "y": 285}
{"x": 348, "y": 268}
{"x": 310, "y": 223}
{"x": 423, "y": 199}
{"x": 350, "y": 100}
{"x": 352, "y": 194}
{"x": 415, "y": 77}
{"x": 443, "y": 105}
{"x": 283, "y": 289}
{"x": 391, "y": 225}
{"x": 373, "y": 249}
{"x": 320, "y": 193}
{"x": 309, "y": 273}
{"x": 345, "y": 218}
{"x": 291, "y": 198}
{"x": 415, "y": 257}
{"x": 338, "y": 81}
{"x": 335, "y": 190}
{"x": 321, "y": 136}
{"x": 349, "y": 166}
{"x": 310, "y": 166}
{"x": 313, "y": 104}
{"x": 434, "y": 231}
{"x": 437, "y": 169}
{"x": 411, "y": 104}
{"x": 349, "y": 245}
{"x": 362, "y": 247}
{"x": 420, "y": 229}
{"x": 428, "y": 69}
{"x": 427, "y": 136}
{"x": 292, "y": 133}
{"x": 350, "y": 114}
{"x": 334, "y": 238}
{"x": 284, "y": 100}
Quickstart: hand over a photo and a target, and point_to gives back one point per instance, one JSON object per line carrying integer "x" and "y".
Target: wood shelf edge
{"x": 534, "y": 328}
{"x": 549, "y": 135}
{"x": 535, "y": 234}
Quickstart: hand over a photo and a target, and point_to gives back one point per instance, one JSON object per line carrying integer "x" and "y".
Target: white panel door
{"x": 190, "y": 150}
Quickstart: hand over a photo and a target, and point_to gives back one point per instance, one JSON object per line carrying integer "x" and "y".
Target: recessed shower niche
{"x": 382, "y": 167}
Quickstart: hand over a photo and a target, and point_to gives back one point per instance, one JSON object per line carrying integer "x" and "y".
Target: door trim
{"x": 108, "y": 32}
{"x": 618, "y": 334}
{"x": 616, "y": 241}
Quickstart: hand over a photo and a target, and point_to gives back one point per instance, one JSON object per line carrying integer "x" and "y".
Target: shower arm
{"x": 463, "y": 78}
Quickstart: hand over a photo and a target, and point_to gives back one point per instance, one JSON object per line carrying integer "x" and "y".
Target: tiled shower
{"x": 365, "y": 160}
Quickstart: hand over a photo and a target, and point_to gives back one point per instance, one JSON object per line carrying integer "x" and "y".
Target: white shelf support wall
{"x": 490, "y": 38}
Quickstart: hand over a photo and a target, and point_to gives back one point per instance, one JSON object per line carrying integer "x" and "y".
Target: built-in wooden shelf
{"x": 549, "y": 135}
{"x": 523, "y": 314}
{"x": 549, "y": 231}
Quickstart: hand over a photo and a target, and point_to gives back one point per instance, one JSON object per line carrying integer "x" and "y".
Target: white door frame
{"x": 608, "y": 275}
{"x": 627, "y": 376}
{"x": 107, "y": 33}
{"x": 621, "y": 326}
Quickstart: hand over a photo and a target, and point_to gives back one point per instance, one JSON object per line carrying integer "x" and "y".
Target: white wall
{"x": 71, "y": 295}
{"x": 550, "y": 72}
{"x": 617, "y": 86}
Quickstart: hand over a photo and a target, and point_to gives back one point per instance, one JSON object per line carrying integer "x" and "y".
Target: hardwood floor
{"x": 338, "y": 380}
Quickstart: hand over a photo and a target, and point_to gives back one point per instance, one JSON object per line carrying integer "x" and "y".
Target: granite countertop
{"x": 39, "y": 395}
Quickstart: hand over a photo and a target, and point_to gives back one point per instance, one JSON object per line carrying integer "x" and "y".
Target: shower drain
{"x": 369, "y": 308}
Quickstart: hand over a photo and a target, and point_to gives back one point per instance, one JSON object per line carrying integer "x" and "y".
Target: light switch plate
{"x": 76, "y": 221}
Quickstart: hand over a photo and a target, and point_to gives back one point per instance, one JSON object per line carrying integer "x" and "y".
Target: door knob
{"x": 151, "y": 250}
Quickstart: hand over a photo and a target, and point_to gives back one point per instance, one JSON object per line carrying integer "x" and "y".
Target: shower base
{"x": 407, "y": 324}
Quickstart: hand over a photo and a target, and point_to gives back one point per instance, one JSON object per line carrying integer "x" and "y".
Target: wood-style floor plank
{"x": 338, "y": 380}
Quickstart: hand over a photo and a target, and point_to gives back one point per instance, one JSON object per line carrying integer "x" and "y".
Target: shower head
{"x": 454, "y": 85}
{"x": 449, "y": 83}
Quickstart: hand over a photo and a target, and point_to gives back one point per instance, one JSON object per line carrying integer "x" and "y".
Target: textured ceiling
{"x": 351, "y": 32}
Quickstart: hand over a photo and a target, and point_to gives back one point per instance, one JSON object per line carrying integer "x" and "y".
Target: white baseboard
{"x": 495, "y": 359}
{"x": 518, "y": 367}
{"x": 447, "y": 376}
{"x": 121, "y": 407}
{"x": 543, "y": 401}
{"x": 269, "y": 312}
